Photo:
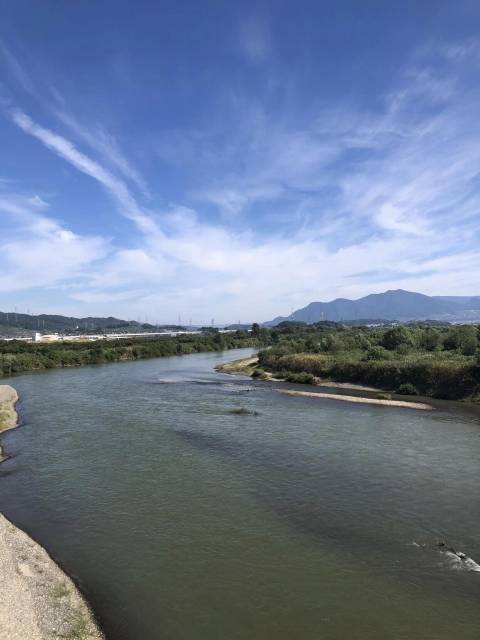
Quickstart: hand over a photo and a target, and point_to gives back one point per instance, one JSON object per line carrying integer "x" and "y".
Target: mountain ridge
{"x": 394, "y": 304}
{"x": 13, "y": 323}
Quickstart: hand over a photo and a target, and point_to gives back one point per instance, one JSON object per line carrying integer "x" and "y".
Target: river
{"x": 180, "y": 520}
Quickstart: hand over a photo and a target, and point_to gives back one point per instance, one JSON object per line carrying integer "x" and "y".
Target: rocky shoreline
{"x": 38, "y": 601}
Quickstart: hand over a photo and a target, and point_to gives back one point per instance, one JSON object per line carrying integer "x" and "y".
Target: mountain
{"x": 13, "y": 323}
{"x": 470, "y": 303}
{"x": 391, "y": 305}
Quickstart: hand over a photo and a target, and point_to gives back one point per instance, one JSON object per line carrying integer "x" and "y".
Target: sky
{"x": 236, "y": 160}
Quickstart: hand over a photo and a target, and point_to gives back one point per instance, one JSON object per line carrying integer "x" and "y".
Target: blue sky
{"x": 235, "y": 160}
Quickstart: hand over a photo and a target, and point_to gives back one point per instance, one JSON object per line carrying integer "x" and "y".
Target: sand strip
{"x": 336, "y": 396}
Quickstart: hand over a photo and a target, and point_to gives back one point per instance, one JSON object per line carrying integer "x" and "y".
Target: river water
{"x": 180, "y": 520}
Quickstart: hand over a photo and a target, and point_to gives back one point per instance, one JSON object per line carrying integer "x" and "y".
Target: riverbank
{"x": 38, "y": 601}
{"x": 248, "y": 366}
{"x": 441, "y": 375}
{"x": 243, "y": 366}
{"x": 8, "y": 415}
{"x": 22, "y": 357}
{"x": 8, "y": 400}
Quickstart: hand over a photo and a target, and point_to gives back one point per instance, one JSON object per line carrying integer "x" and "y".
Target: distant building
{"x": 47, "y": 337}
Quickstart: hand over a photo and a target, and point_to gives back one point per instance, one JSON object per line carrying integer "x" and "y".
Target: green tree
{"x": 255, "y": 329}
{"x": 395, "y": 337}
{"x": 469, "y": 345}
{"x": 219, "y": 341}
{"x": 377, "y": 353}
{"x": 429, "y": 339}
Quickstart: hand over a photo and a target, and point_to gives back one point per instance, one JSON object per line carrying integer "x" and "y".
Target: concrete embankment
{"x": 37, "y": 600}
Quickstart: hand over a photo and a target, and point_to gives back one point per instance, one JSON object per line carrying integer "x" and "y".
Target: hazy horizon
{"x": 235, "y": 162}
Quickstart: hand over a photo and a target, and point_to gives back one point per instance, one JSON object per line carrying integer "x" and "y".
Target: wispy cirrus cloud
{"x": 65, "y": 149}
{"x": 103, "y": 143}
{"x": 54, "y": 103}
{"x": 15, "y": 69}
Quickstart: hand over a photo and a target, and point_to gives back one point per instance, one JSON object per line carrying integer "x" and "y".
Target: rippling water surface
{"x": 180, "y": 520}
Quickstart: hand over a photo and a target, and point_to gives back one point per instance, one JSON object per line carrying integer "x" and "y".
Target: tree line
{"x": 423, "y": 358}
{"x": 433, "y": 360}
{"x": 19, "y": 356}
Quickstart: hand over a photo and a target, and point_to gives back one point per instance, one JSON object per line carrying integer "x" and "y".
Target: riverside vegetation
{"x": 18, "y": 357}
{"x": 440, "y": 361}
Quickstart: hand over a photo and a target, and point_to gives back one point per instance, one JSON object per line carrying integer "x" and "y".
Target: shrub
{"x": 403, "y": 349}
{"x": 469, "y": 345}
{"x": 407, "y": 389}
{"x": 451, "y": 340}
{"x": 301, "y": 378}
{"x": 377, "y": 353}
{"x": 330, "y": 343}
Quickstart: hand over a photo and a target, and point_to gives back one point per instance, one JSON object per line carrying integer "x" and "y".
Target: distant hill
{"x": 391, "y": 305}
{"x": 12, "y": 324}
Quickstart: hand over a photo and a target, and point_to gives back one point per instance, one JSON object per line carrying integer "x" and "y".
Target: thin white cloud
{"x": 36, "y": 251}
{"x": 95, "y": 136}
{"x": 65, "y": 149}
{"x": 17, "y": 71}
{"x": 255, "y": 38}
{"x": 104, "y": 144}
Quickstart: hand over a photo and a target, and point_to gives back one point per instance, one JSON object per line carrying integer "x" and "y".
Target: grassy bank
{"x": 424, "y": 375}
{"x": 435, "y": 361}
{"x": 18, "y": 357}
